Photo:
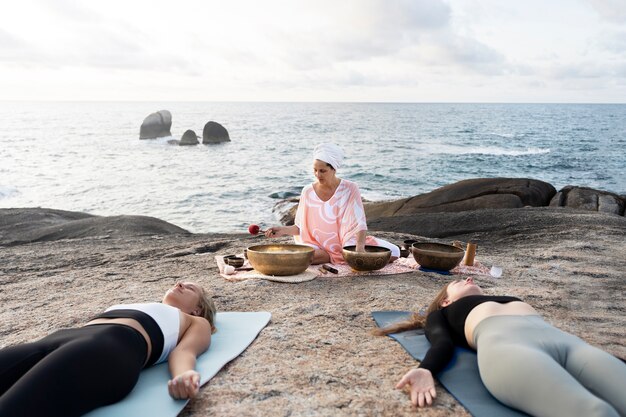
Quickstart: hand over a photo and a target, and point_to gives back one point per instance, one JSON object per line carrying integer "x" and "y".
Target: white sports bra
{"x": 167, "y": 318}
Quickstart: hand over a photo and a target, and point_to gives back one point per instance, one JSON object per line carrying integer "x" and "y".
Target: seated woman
{"x": 330, "y": 213}
{"x": 74, "y": 371}
{"x": 523, "y": 361}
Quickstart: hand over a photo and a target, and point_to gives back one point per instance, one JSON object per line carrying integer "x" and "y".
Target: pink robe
{"x": 331, "y": 225}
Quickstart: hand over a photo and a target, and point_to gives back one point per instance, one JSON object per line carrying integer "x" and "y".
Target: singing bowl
{"x": 280, "y": 259}
{"x": 374, "y": 257}
{"x": 437, "y": 255}
{"x": 233, "y": 260}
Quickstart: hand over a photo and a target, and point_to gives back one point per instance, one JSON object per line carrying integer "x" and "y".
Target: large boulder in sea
{"x": 214, "y": 132}
{"x": 472, "y": 194}
{"x": 156, "y": 125}
{"x": 189, "y": 138}
{"x": 583, "y": 198}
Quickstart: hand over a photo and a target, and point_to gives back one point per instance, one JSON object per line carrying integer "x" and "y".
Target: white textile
{"x": 329, "y": 153}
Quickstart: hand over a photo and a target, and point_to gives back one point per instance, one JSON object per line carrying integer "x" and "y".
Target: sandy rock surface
{"x": 316, "y": 357}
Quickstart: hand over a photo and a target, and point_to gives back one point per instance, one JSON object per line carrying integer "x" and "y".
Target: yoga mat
{"x": 235, "y": 332}
{"x": 460, "y": 377}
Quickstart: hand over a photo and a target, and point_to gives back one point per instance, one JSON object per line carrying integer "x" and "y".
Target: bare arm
{"x": 282, "y": 231}
{"x": 185, "y": 380}
{"x": 360, "y": 240}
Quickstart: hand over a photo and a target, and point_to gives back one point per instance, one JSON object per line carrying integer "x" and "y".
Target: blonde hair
{"x": 207, "y": 308}
{"x": 417, "y": 320}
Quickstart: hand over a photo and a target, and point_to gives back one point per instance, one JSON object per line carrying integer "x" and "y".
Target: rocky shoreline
{"x": 316, "y": 357}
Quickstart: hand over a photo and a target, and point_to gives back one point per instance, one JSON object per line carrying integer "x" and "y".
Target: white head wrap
{"x": 329, "y": 153}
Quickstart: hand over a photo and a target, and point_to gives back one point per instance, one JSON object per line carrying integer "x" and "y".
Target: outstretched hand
{"x": 273, "y": 231}
{"x": 185, "y": 385}
{"x": 421, "y": 386}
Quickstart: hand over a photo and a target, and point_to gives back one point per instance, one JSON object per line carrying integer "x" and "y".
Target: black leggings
{"x": 71, "y": 371}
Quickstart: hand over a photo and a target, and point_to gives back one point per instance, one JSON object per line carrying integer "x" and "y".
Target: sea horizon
{"x": 87, "y": 156}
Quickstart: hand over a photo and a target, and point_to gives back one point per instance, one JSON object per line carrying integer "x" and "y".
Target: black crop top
{"x": 445, "y": 329}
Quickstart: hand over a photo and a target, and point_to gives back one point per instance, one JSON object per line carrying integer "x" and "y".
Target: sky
{"x": 563, "y": 51}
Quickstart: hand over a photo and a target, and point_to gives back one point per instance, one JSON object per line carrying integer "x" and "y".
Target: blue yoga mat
{"x": 235, "y": 332}
{"x": 460, "y": 377}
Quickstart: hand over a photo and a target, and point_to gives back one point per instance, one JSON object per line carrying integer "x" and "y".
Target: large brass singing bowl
{"x": 374, "y": 257}
{"x": 437, "y": 255}
{"x": 280, "y": 259}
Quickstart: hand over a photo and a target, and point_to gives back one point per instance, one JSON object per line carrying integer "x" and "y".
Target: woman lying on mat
{"x": 330, "y": 213}
{"x": 73, "y": 371}
{"x": 524, "y": 362}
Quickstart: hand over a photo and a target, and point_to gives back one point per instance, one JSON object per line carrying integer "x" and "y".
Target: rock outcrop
{"x": 214, "y": 132}
{"x": 26, "y": 225}
{"x": 495, "y": 224}
{"x": 317, "y": 357}
{"x": 583, "y": 198}
{"x": 189, "y": 138}
{"x": 473, "y": 194}
{"x": 156, "y": 125}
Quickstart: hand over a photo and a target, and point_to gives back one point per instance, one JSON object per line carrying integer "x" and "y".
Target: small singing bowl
{"x": 235, "y": 261}
{"x": 374, "y": 257}
{"x": 280, "y": 259}
{"x": 404, "y": 253}
{"x": 437, "y": 255}
{"x": 408, "y": 243}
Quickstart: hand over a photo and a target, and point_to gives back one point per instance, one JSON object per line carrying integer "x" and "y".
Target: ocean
{"x": 87, "y": 156}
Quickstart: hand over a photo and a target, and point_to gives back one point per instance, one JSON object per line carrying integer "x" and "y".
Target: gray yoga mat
{"x": 460, "y": 377}
{"x": 235, "y": 332}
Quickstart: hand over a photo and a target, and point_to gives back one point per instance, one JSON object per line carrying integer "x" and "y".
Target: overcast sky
{"x": 316, "y": 50}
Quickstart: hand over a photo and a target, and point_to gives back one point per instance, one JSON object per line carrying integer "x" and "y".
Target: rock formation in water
{"x": 189, "y": 138}
{"x": 156, "y": 125}
{"x": 214, "y": 132}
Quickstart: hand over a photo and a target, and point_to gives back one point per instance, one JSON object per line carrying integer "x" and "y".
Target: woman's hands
{"x": 277, "y": 231}
{"x": 360, "y": 240}
{"x": 184, "y": 386}
{"x": 421, "y": 386}
{"x": 274, "y": 231}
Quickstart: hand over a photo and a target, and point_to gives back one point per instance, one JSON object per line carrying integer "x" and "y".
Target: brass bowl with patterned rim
{"x": 439, "y": 256}
{"x": 374, "y": 257}
{"x": 280, "y": 259}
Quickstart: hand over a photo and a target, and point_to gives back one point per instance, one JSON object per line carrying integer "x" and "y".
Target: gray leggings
{"x": 532, "y": 366}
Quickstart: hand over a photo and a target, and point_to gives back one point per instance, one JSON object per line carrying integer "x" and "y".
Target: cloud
{"x": 358, "y": 30}
{"x": 613, "y": 11}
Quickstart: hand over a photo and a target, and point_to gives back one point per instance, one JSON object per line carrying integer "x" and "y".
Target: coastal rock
{"x": 317, "y": 357}
{"x": 494, "y": 224}
{"x": 214, "y": 132}
{"x": 189, "y": 138}
{"x": 285, "y": 210}
{"x": 21, "y": 226}
{"x": 583, "y": 198}
{"x": 156, "y": 125}
{"x": 472, "y": 194}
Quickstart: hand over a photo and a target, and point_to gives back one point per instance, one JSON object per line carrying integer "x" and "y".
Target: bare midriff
{"x": 130, "y": 323}
{"x": 491, "y": 309}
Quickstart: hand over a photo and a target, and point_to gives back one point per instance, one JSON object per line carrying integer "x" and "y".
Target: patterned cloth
{"x": 476, "y": 269}
{"x": 331, "y": 225}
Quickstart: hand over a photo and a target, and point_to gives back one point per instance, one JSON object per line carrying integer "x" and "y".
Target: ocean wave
{"x": 6, "y": 192}
{"x": 481, "y": 150}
